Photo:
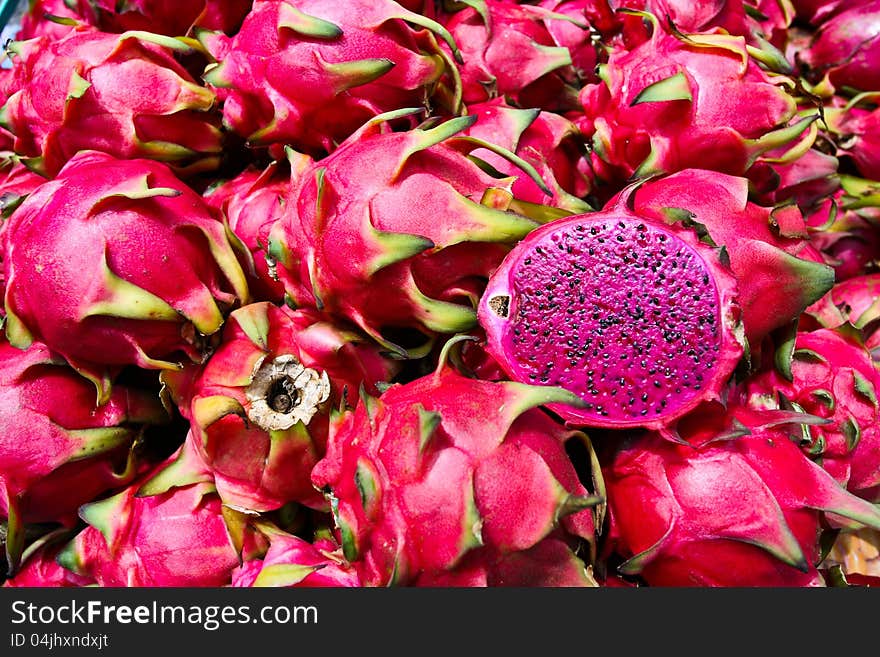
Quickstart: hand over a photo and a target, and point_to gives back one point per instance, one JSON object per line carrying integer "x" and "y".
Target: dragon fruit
{"x": 405, "y": 208}
{"x": 58, "y": 449}
{"x": 122, "y": 94}
{"x": 639, "y": 349}
{"x": 845, "y": 50}
{"x": 165, "y": 272}
{"x": 859, "y": 301}
{"x": 759, "y": 21}
{"x": 696, "y": 100}
{"x": 809, "y": 181}
{"x": 831, "y": 376}
{"x": 40, "y": 569}
{"x": 292, "y": 561}
{"x": 508, "y": 51}
{"x": 573, "y": 34}
{"x": 181, "y": 537}
{"x": 847, "y": 237}
{"x": 16, "y": 182}
{"x": 546, "y": 140}
{"x": 453, "y": 481}
{"x": 260, "y": 407}
{"x": 161, "y": 17}
{"x": 856, "y": 131}
{"x": 308, "y": 73}
{"x": 853, "y": 304}
{"x": 53, "y": 18}
{"x": 169, "y": 17}
{"x": 738, "y": 504}
{"x": 249, "y": 204}
{"x": 818, "y": 11}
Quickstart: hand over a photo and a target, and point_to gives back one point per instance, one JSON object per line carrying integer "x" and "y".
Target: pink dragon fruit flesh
{"x": 638, "y": 318}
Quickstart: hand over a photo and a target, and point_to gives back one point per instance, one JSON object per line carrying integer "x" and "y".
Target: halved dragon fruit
{"x": 638, "y": 318}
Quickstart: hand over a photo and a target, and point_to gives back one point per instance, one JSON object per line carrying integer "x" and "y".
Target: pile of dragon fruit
{"x": 475, "y": 293}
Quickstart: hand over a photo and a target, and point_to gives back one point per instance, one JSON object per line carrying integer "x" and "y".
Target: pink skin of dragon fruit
{"x": 117, "y": 262}
{"x": 260, "y": 407}
{"x": 546, "y": 140}
{"x": 457, "y": 480}
{"x": 856, "y": 131}
{"x": 853, "y": 303}
{"x": 849, "y": 239}
{"x": 16, "y": 182}
{"x": 573, "y": 35}
{"x": 169, "y": 17}
{"x": 845, "y": 50}
{"x": 59, "y": 449}
{"x": 40, "y": 569}
{"x": 679, "y": 101}
{"x": 249, "y": 204}
{"x": 640, "y": 349}
{"x": 829, "y": 376}
{"x": 309, "y": 73}
{"x": 294, "y": 562}
{"x": 740, "y": 505}
{"x": 507, "y": 50}
{"x": 122, "y": 94}
{"x": 36, "y": 22}
{"x": 778, "y": 271}
{"x": 378, "y": 197}
{"x": 818, "y": 11}
{"x": 180, "y": 537}
{"x": 163, "y": 17}
{"x": 809, "y": 180}
{"x": 692, "y": 17}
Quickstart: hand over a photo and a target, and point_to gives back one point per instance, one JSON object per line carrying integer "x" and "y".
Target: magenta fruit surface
{"x": 625, "y": 313}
